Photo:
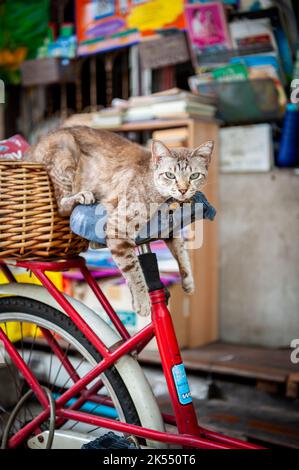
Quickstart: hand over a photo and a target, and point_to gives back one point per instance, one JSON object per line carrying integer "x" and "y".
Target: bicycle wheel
{"x": 32, "y": 321}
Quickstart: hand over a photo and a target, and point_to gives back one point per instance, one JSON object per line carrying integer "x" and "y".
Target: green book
{"x": 230, "y": 73}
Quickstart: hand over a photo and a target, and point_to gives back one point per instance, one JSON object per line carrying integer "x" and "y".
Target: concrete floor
{"x": 237, "y": 409}
{"x": 234, "y": 407}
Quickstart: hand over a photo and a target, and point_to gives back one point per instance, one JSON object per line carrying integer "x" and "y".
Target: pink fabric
{"x": 13, "y": 148}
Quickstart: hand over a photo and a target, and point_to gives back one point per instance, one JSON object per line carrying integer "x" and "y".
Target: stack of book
{"x": 244, "y": 56}
{"x": 108, "y": 118}
{"x": 170, "y": 104}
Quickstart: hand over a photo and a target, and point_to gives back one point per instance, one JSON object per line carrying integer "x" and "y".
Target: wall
{"x": 259, "y": 262}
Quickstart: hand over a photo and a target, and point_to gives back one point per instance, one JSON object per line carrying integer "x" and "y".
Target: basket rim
{"x": 20, "y": 162}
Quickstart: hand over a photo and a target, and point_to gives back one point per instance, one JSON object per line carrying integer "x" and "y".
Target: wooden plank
{"x": 158, "y": 124}
{"x": 293, "y": 385}
{"x": 203, "y": 323}
{"x": 267, "y": 365}
{"x": 231, "y": 369}
{"x": 267, "y": 386}
{"x": 151, "y": 125}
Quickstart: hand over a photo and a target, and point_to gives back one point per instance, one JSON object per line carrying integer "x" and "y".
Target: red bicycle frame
{"x": 189, "y": 434}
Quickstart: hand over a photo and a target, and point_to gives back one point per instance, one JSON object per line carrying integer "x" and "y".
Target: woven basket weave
{"x": 30, "y": 226}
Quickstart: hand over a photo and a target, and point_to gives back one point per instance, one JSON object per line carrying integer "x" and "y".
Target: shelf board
{"x": 156, "y": 124}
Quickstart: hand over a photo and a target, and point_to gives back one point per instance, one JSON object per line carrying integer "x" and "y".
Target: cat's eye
{"x": 195, "y": 176}
{"x": 170, "y": 175}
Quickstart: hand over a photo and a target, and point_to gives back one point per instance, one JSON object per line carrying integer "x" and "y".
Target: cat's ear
{"x": 159, "y": 150}
{"x": 204, "y": 151}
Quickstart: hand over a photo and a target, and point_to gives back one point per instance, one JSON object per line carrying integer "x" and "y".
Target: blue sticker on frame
{"x": 181, "y": 384}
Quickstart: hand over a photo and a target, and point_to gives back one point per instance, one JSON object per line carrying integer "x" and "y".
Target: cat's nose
{"x": 183, "y": 191}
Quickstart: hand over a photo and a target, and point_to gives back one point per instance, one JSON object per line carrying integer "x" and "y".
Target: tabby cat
{"x": 88, "y": 165}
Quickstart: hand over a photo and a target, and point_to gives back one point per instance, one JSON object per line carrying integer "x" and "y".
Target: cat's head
{"x": 180, "y": 172}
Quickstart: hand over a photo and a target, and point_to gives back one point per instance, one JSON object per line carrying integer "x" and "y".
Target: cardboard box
{"x": 120, "y": 298}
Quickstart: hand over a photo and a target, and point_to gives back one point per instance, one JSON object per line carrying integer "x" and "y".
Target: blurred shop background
{"x": 185, "y": 72}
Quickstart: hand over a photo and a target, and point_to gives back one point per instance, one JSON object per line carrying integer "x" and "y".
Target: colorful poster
{"x": 106, "y": 24}
{"x": 207, "y": 26}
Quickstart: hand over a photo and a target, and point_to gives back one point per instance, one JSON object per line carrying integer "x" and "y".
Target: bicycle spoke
{"x": 26, "y": 411}
{"x": 90, "y": 412}
{"x": 51, "y": 360}
{"x": 22, "y": 349}
{"x": 71, "y": 376}
{"x": 14, "y": 425}
{"x": 13, "y": 376}
{"x": 22, "y": 342}
{"x": 60, "y": 367}
{"x": 64, "y": 385}
{"x": 32, "y": 345}
{"x": 30, "y": 354}
{"x": 94, "y": 429}
{"x": 22, "y": 355}
{"x": 18, "y": 389}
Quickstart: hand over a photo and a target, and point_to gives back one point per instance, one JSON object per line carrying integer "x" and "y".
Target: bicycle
{"x": 105, "y": 387}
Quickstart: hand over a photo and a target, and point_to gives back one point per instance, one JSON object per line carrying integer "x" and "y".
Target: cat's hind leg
{"x": 180, "y": 253}
{"x": 65, "y": 197}
{"x": 60, "y": 155}
{"x": 68, "y": 202}
{"x": 63, "y": 175}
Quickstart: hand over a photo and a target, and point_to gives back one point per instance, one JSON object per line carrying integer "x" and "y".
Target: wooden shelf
{"x": 156, "y": 124}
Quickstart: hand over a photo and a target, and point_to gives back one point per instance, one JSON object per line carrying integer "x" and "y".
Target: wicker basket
{"x": 30, "y": 226}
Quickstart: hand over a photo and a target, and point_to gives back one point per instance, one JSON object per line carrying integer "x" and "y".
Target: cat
{"x": 87, "y": 165}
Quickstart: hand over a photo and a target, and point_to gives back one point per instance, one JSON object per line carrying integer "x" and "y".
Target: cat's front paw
{"x": 85, "y": 197}
{"x": 188, "y": 285}
{"x": 142, "y": 305}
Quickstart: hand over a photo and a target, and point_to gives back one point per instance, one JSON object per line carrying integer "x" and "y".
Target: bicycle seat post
{"x": 144, "y": 248}
{"x": 149, "y": 265}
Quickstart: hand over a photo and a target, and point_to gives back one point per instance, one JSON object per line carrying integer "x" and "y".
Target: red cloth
{"x": 13, "y": 148}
